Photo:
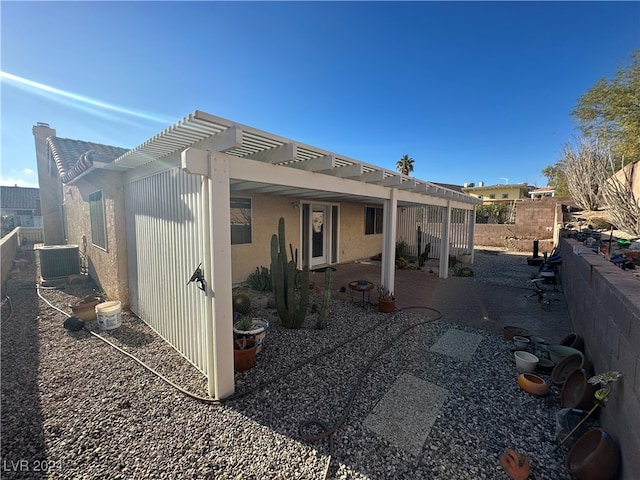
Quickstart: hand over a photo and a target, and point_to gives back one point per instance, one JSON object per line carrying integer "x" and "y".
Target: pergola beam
{"x": 281, "y": 154}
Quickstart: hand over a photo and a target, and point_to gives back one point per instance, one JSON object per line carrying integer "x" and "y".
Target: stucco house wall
{"x": 266, "y": 210}
{"x": 108, "y": 268}
{"x": 353, "y": 242}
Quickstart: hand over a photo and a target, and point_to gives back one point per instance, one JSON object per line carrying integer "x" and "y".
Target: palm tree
{"x": 405, "y": 165}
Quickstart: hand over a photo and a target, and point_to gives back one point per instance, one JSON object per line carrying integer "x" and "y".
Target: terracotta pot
{"x": 567, "y": 365}
{"x": 86, "y": 308}
{"x": 573, "y": 340}
{"x": 594, "y": 456}
{"x": 577, "y": 392}
{"x": 244, "y": 359}
{"x": 533, "y": 384}
{"x": 386, "y": 306}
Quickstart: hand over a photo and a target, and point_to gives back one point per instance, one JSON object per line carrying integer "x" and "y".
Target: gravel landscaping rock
{"x": 74, "y": 407}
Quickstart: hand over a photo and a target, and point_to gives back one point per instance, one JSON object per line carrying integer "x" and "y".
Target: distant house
{"x": 20, "y": 207}
{"x": 542, "y": 192}
{"x": 208, "y": 191}
{"x": 490, "y": 194}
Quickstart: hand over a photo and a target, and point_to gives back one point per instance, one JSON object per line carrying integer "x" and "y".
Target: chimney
{"x": 50, "y": 186}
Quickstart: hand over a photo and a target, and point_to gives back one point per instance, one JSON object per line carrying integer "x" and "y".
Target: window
{"x": 492, "y": 196}
{"x": 240, "y": 220}
{"x": 372, "y": 220}
{"x": 98, "y": 224}
{"x": 505, "y": 195}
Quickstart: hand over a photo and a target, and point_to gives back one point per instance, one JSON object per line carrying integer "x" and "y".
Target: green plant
{"x": 462, "y": 271}
{"x": 402, "y": 249}
{"x": 452, "y": 261}
{"x": 401, "y": 263}
{"x": 241, "y": 303}
{"x": 290, "y": 285}
{"x": 326, "y": 300}
{"x": 260, "y": 279}
{"x": 245, "y": 323}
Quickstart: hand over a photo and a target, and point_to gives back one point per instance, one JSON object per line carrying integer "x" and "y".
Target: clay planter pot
{"x": 567, "y": 365}
{"x": 85, "y": 309}
{"x": 545, "y": 366}
{"x": 525, "y": 362}
{"x": 244, "y": 359}
{"x": 533, "y": 384}
{"x": 577, "y": 392}
{"x": 558, "y": 352}
{"x": 594, "y": 456}
{"x": 520, "y": 343}
{"x": 573, "y": 340}
{"x": 386, "y": 306}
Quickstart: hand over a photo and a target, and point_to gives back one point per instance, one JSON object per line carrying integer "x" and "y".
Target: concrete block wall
{"x": 604, "y": 307}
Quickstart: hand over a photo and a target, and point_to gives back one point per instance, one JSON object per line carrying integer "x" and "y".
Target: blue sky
{"x": 472, "y": 91}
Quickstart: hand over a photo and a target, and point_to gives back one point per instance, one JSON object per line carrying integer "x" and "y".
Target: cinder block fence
{"x": 604, "y": 307}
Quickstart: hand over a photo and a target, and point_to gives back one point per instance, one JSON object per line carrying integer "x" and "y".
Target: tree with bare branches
{"x": 619, "y": 199}
{"x": 584, "y": 166}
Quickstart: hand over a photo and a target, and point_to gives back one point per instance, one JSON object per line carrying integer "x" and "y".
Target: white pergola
{"x": 234, "y": 158}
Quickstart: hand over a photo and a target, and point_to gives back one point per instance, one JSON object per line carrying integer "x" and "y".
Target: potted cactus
{"x": 386, "y": 300}
{"x": 253, "y": 328}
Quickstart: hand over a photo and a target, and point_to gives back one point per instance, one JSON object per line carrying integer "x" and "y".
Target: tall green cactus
{"x": 290, "y": 285}
{"x": 326, "y": 300}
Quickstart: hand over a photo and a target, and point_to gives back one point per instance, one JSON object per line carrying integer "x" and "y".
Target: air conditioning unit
{"x": 59, "y": 260}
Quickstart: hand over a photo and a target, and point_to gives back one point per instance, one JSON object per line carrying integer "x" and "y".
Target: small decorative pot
{"x": 257, "y": 332}
{"x": 567, "y": 365}
{"x": 520, "y": 342}
{"x": 525, "y": 361}
{"x": 573, "y": 340}
{"x": 244, "y": 358}
{"x": 85, "y": 309}
{"x": 509, "y": 331}
{"x": 533, "y": 384}
{"x": 386, "y": 306}
{"x": 577, "y": 392}
{"x": 558, "y": 352}
{"x": 594, "y": 456}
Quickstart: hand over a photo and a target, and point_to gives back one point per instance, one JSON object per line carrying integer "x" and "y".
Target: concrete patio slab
{"x": 407, "y": 412}
{"x": 457, "y": 344}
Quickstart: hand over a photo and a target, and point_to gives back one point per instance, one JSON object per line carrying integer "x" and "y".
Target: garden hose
{"x": 326, "y": 431}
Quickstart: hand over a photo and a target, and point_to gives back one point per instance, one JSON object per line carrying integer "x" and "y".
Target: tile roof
{"x": 74, "y": 157}
{"x": 19, "y": 198}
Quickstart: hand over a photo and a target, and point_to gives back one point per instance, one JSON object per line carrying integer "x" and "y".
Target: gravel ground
{"x": 74, "y": 407}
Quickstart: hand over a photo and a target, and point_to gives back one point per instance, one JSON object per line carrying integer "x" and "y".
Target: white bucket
{"x": 109, "y": 315}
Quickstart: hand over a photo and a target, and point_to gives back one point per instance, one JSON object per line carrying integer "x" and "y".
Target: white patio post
{"x": 390, "y": 217}
{"x": 444, "y": 246}
{"x": 471, "y": 219}
{"x": 217, "y": 267}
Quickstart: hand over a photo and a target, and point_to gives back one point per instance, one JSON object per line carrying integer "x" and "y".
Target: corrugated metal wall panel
{"x": 164, "y": 214}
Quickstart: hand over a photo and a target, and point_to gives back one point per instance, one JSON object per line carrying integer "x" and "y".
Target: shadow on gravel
{"x": 22, "y": 444}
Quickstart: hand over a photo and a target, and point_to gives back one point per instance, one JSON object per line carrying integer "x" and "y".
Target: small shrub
{"x": 260, "y": 279}
{"x": 452, "y": 261}
{"x": 462, "y": 271}
{"x": 600, "y": 223}
{"x": 402, "y": 249}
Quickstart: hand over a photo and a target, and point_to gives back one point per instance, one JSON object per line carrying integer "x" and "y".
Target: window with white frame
{"x": 98, "y": 223}
{"x": 372, "y": 220}
{"x": 240, "y": 220}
